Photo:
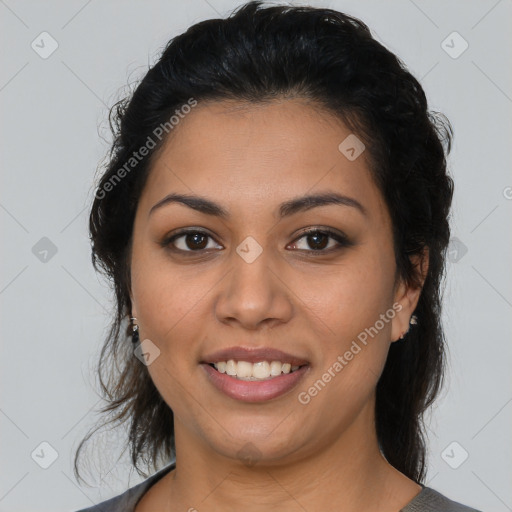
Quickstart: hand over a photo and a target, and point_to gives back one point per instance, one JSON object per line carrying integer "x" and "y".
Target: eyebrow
{"x": 286, "y": 209}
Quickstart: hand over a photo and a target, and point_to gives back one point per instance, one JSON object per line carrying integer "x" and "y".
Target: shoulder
{"x": 429, "y": 500}
{"x": 126, "y": 501}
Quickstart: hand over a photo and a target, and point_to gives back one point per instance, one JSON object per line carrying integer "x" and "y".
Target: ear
{"x": 408, "y": 296}
{"x": 133, "y": 305}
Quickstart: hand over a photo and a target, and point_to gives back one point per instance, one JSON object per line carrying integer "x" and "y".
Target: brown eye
{"x": 189, "y": 241}
{"x": 318, "y": 241}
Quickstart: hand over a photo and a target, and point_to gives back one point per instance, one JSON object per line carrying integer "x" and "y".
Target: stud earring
{"x": 135, "y": 330}
{"x": 412, "y": 321}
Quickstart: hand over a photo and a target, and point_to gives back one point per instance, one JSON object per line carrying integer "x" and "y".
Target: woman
{"x": 274, "y": 218}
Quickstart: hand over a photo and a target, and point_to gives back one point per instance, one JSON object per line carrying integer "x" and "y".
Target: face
{"x": 267, "y": 286}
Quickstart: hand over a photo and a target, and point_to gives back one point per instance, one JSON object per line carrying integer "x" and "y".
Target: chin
{"x": 266, "y": 443}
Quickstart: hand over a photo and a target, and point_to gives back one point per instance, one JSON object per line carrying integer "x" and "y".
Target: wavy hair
{"x": 258, "y": 54}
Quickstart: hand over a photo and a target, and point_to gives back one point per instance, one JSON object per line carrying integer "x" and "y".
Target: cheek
{"x": 357, "y": 314}
{"x": 350, "y": 297}
{"x": 170, "y": 308}
{"x": 164, "y": 295}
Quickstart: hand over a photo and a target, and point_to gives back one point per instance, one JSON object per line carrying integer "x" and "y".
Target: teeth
{"x": 243, "y": 369}
{"x": 258, "y": 371}
{"x": 231, "y": 367}
{"x": 275, "y": 368}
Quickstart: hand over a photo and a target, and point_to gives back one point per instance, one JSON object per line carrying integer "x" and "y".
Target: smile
{"x": 254, "y": 389}
{"x": 261, "y": 370}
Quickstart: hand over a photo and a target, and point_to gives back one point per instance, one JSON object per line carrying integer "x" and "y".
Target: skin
{"x": 319, "y": 456}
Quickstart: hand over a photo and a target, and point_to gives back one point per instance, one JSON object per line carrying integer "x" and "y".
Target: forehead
{"x": 253, "y": 155}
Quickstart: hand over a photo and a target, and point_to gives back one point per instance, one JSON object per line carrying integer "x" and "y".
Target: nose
{"x": 254, "y": 294}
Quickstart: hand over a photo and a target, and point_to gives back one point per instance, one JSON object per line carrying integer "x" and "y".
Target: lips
{"x": 254, "y": 390}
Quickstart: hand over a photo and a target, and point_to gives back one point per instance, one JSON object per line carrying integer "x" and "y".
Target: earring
{"x": 412, "y": 321}
{"x": 135, "y": 330}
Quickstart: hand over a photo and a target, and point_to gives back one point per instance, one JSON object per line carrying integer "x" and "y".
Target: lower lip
{"x": 254, "y": 391}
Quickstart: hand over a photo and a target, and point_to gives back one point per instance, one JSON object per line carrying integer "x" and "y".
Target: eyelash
{"x": 341, "y": 239}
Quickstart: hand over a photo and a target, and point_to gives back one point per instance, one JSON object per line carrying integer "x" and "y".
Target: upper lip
{"x": 253, "y": 355}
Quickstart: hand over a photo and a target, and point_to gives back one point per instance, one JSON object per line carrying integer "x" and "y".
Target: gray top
{"x": 427, "y": 500}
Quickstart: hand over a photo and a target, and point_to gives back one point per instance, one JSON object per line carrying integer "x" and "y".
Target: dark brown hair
{"x": 331, "y": 59}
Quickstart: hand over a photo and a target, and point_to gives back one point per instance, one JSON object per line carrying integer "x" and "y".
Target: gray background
{"x": 55, "y": 309}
